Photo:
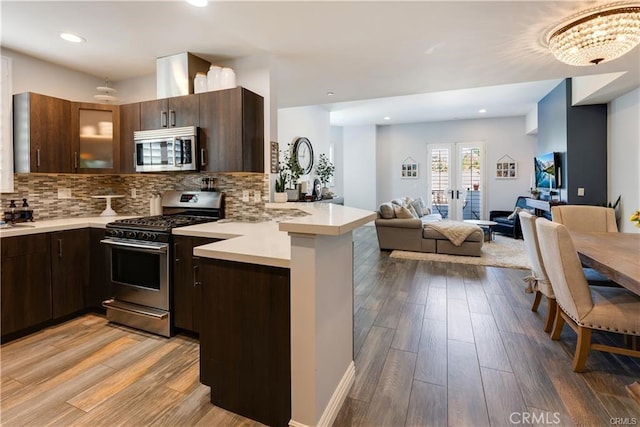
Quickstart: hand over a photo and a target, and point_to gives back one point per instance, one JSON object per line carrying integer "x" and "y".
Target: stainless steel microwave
{"x": 166, "y": 150}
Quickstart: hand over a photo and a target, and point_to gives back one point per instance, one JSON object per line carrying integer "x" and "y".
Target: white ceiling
{"x": 451, "y": 57}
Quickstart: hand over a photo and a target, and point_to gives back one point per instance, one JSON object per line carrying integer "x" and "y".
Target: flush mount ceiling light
{"x": 198, "y": 3}
{"x": 73, "y": 38}
{"x": 482, "y": 110}
{"x": 596, "y": 35}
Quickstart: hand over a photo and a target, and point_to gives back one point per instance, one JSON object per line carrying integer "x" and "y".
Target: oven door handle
{"x": 140, "y": 247}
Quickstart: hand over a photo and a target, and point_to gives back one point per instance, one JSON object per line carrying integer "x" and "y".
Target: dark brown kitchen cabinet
{"x": 69, "y": 271}
{"x": 169, "y": 112}
{"x": 42, "y": 139}
{"x": 99, "y": 285}
{"x": 186, "y": 276}
{"x": 95, "y": 137}
{"x": 245, "y": 340}
{"x": 129, "y": 123}
{"x": 25, "y": 282}
{"x": 232, "y": 130}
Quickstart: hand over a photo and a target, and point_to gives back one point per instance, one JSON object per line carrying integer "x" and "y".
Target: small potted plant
{"x": 280, "y": 196}
{"x": 325, "y": 170}
{"x": 292, "y": 171}
{"x": 635, "y": 217}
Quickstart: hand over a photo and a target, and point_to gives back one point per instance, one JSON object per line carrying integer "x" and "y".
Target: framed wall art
{"x": 409, "y": 168}
{"x": 506, "y": 168}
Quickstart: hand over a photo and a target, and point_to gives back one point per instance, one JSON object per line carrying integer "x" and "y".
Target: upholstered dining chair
{"x": 582, "y": 307}
{"x": 585, "y": 218}
{"x": 537, "y": 282}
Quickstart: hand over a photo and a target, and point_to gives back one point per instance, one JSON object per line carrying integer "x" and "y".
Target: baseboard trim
{"x": 337, "y": 399}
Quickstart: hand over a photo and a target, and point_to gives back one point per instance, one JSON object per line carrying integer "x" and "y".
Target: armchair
{"x": 508, "y": 226}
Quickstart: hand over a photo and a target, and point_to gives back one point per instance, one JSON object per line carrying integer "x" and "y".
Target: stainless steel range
{"x": 141, "y": 259}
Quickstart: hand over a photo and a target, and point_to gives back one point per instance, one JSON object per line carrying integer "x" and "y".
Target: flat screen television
{"x": 547, "y": 171}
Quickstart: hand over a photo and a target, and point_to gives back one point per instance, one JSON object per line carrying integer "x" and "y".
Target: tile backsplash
{"x": 42, "y": 192}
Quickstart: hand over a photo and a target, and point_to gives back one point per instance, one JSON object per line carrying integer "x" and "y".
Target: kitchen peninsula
{"x": 302, "y": 333}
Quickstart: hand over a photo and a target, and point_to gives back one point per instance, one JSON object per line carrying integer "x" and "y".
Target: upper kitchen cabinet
{"x": 129, "y": 123}
{"x": 232, "y": 130}
{"x": 95, "y": 137}
{"x": 169, "y": 112}
{"x": 41, "y": 134}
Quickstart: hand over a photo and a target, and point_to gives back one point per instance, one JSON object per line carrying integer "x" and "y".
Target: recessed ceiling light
{"x": 198, "y": 3}
{"x": 330, "y": 93}
{"x": 73, "y": 38}
{"x": 387, "y": 118}
{"x": 482, "y": 110}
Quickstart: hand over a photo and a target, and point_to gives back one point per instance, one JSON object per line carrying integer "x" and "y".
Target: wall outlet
{"x": 245, "y": 195}
{"x": 580, "y": 191}
{"x": 134, "y": 193}
{"x": 257, "y": 198}
{"x": 64, "y": 193}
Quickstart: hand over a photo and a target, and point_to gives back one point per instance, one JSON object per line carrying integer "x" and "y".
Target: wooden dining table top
{"x": 616, "y": 255}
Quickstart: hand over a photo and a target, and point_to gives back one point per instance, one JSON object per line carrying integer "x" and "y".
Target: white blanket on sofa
{"x": 456, "y": 231}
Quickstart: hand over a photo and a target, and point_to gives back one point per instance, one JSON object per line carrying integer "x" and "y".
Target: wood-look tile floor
{"x": 436, "y": 344}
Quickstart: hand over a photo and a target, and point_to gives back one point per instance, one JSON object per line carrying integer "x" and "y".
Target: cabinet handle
{"x": 75, "y": 160}
{"x": 203, "y": 162}
{"x": 38, "y": 157}
{"x": 163, "y": 119}
{"x": 175, "y": 251}
{"x": 196, "y": 268}
{"x": 172, "y": 113}
{"x": 59, "y": 248}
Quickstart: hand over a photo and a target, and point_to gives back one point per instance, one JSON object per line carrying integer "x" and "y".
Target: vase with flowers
{"x": 635, "y": 217}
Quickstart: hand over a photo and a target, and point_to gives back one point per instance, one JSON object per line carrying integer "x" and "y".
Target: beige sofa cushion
{"x": 430, "y": 233}
{"x": 402, "y": 212}
{"x": 386, "y": 211}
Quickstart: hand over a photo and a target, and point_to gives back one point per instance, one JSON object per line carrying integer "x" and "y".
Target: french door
{"x": 456, "y": 180}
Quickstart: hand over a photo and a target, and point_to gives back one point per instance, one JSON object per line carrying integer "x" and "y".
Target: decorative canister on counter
{"x": 227, "y": 78}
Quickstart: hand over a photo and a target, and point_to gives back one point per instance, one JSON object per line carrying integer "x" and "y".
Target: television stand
{"x": 542, "y": 206}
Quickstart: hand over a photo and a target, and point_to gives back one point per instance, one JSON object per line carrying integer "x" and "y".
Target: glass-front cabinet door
{"x": 96, "y": 138}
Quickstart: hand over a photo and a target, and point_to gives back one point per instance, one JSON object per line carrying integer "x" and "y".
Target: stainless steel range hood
{"x": 175, "y": 74}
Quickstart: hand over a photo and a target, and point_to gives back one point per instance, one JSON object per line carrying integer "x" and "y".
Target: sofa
{"x": 396, "y": 231}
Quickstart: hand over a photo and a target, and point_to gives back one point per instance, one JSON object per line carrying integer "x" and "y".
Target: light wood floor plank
{"x": 503, "y": 396}
{"x": 427, "y": 406}
{"x": 458, "y": 320}
{"x": 465, "y": 396}
{"x": 407, "y": 336}
{"x": 431, "y": 363}
{"x": 370, "y": 361}
{"x": 436, "y": 306}
{"x": 391, "y": 398}
{"x": 352, "y": 413}
{"x": 491, "y": 352}
{"x": 362, "y": 323}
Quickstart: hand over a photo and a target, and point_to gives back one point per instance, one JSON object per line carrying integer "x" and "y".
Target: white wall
{"x": 337, "y": 139}
{"x": 33, "y": 75}
{"x": 311, "y": 122}
{"x": 359, "y": 151}
{"x": 501, "y": 136}
{"x": 624, "y": 156}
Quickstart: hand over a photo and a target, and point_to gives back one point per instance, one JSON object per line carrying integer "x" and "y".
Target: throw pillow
{"x": 424, "y": 209}
{"x": 413, "y": 211}
{"x": 514, "y": 214}
{"x": 416, "y": 207}
{"x": 386, "y": 211}
{"x": 402, "y": 212}
{"x": 398, "y": 202}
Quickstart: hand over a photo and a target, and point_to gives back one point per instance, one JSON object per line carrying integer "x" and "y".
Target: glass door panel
{"x": 455, "y": 180}
{"x": 96, "y": 139}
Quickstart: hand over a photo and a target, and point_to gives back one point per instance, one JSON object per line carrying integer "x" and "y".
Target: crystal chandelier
{"x": 596, "y": 35}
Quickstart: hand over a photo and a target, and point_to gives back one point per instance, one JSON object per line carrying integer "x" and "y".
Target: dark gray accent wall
{"x": 579, "y": 134}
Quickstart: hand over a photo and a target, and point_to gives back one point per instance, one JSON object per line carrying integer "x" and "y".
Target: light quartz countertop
{"x": 264, "y": 243}
{"x": 50, "y": 225}
{"x": 268, "y": 243}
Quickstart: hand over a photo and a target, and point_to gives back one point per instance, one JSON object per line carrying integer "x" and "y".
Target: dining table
{"x": 616, "y": 255}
